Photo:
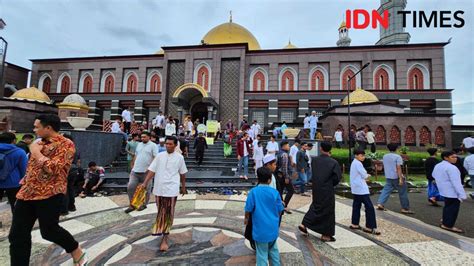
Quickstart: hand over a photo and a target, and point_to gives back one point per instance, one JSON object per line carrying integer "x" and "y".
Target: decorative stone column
{"x": 303, "y": 107}
{"x": 94, "y": 112}
{"x": 180, "y": 114}
{"x": 210, "y": 110}
{"x": 138, "y": 113}
{"x": 272, "y": 112}
{"x": 406, "y": 103}
{"x": 246, "y": 109}
{"x": 115, "y": 111}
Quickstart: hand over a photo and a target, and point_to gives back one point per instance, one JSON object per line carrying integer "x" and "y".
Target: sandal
{"x": 371, "y": 231}
{"x": 287, "y": 211}
{"x": 303, "y": 230}
{"x": 452, "y": 229}
{"x": 381, "y": 207}
{"x": 406, "y": 211}
{"x": 355, "y": 227}
{"x": 83, "y": 258}
{"x": 331, "y": 239}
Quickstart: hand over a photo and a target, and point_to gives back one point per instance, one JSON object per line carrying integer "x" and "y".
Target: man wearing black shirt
{"x": 430, "y": 163}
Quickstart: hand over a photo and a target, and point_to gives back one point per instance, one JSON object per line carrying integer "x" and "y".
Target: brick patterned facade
{"x": 230, "y": 76}
{"x": 395, "y": 135}
{"x": 345, "y": 77}
{"x": 47, "y": 85}
{"x": 109, "y": 84}
{"x": 410, "y": 136}
{"x": 425, "y": 136}
{"x": 203, "y": 77}
{"x": 380, "y": 135}
{"x": 415, "y": 79}
{"x": 132, "y": 83}
{"x": 439, "y": 137}
{"x": 176, "y": 71}
{"x": 155, "y": 83}
{"x": 65, "y": 84}
{"x": 258, "y": 83}
{"x": 317, "y": 81}
{"x": 381, "y": 80}
{"x": 87, "y": 84}
{"x": 287, "y": 81}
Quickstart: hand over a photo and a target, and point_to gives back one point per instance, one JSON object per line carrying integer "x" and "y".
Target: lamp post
{"x": 3, "y": 53}
{"x": 349, "y": 109}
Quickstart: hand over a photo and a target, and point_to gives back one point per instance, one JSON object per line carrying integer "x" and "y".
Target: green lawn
{"x": 415, "y": 178}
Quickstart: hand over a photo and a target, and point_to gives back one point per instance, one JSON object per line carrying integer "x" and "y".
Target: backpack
{"x": 4, "y": 167}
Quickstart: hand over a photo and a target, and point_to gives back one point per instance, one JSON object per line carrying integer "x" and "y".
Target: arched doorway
{"x": 199, "y": 110}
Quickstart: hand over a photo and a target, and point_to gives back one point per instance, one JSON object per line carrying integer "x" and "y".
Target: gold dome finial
{"x": 230, "y": 17}
{"x": 289, "y": 45}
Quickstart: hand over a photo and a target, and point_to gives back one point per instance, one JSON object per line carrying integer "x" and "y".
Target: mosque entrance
{"x": 199, "y": 111}
{"x": 191, "y": 98}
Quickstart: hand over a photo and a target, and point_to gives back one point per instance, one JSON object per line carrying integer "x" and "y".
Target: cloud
{"x": 143, "y": 38}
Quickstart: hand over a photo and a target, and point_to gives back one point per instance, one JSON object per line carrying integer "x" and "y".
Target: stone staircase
{"x": 215, "y": 173}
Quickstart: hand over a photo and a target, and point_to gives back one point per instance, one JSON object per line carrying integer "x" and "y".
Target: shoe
{"x": 64, "y": 213}
{"x": 72, "y": 208}
{"x": 141, "y": 208}
{"x": 83, "y": 260}
{"x": 471, "y": 195}
{"x": 129, "y": 209}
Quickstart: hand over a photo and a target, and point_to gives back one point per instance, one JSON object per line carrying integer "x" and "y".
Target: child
{"x": 258, "y": 156}
{"x": 92, "y": 180}
{"x": 360, "y": 191}
{"x": 265, "y": 206}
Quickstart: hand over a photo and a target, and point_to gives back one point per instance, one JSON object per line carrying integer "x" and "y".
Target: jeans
{"x": 11, "y": 195}
{"x": 265, "y": 251}
{"x": 243, "y": 162}
{"x": 290, "y": 190}
{"x": 199, "y": 156}
{"x": 312, "y": 133}
{"x": 135, "y": 179}
{"x": 301, "y": 181}
{"x": 127, "y": 126}
{"x": 450, "y": 211}
{"x": 24, "y": 217}
{"x": 390, "y": 185}
{"x": 370, "y": 221}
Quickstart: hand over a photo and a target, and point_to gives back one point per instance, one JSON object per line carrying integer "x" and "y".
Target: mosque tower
{"x": 395, "y": 33}
{"x": 344, "y": 39}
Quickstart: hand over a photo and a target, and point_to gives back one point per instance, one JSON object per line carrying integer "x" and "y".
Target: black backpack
{"x": 4, "y": 167}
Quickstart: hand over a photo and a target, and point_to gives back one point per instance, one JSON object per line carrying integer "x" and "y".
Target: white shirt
{"x": 293, "y": 151}
{"x": 313, "y": 122}
{"x": 160, "y": 120}
{"x": 190, "y": 126}
{"x": 144, "y": 156}
{"x": 469, "y": 164}
{"x": 448, "y": 179}
{"x": 255, "y": 143}
{"x": 306, "y": 122}
{"x": 116, "y": 127}
{"x": 167, "y": 168}
{"x": 370, "y": 137}
{"x": 338, "y": 136}
{"x": 246, "y": 152}
{"x": 256, "y": 129}
{"x": 170, "y": 129}
{"x": 272, "y": 147}
{"x": 258, "y": 153}
{"x": 126, "y": 116}
{"x": 273, "y": 183}
{"x": 468, "y": 142}
{"x": 358, "y": 175}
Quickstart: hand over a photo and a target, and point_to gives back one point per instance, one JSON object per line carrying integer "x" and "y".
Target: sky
{"x": 78, "y": 28}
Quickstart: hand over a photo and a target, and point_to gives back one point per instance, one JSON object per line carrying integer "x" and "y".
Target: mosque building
{"x": 228, "y": 75}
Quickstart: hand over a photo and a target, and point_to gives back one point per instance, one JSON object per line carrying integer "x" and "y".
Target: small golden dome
{"x": 231, "y": 32}
{"x": 161, "y": 51}
{"x": 343, "y": 25}
{"x": 31, "y": 94}
{"x": 290, "y": 46}
{"x": 360, "y": 96}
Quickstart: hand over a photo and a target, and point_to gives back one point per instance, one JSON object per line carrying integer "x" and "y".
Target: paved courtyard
{"x": 208, "y": 230}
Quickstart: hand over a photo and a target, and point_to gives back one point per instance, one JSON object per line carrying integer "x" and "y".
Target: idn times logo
{"x": 362, "y": 19}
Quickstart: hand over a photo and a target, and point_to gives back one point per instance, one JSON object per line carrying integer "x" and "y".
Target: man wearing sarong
{"x": 321, "y": 216}
{"x": 168, "y": 170}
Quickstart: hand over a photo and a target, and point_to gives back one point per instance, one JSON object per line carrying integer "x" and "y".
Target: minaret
{"x": 395, "y": 33}
{"x": 344, "y": 39}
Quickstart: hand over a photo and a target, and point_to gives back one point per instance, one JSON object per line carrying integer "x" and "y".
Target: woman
{"x": 227, "y": 145}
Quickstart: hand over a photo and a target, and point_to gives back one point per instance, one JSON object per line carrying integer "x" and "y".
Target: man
{"x": 189, "y": 127}
{"x": 468, "y": 142}
{"x": 321, "y": 216}
{"x": 93, "y": 179}
{"x": 293, "y": 151}
{"x": 284, "y": 174}
{"x": 244, "y": 150}
{"x": 430, "y": 164}
{"x": 127, "y": 118}
{"x": 184, "y": 144}
{"x": 229, "y": 126}
{"x": 313, "y": 125}
{"x": 25, "y": 141}
{"x": 200, "y": 145}
{"x": 13, "y": 162}
{"x": 116, "y": 129}
{"x": 272, "y": 146}
{"x": 338, "y": 137}
{"x": 196, "y": 124}
{"x": 270, "y": 162}
{"x": 242, "y": 123}
{"x": 130, "y": 149}
{"x": 161, "y": 145}
{"x": 301, "y": 166}
{"x": 361, "y": 138}
{"x": 145, "y": 153}
{"x": 160, "y": 124}
{"x": 75, "y": 173}
{"x": 370, "y": 136}
{"x": 42, "y": 192}
{"x": 255, "y": 129}
{"x": 170, "y": 128}
{"x": 392, "y": 166}
{"x": 282, "y": 130}
{"x": 460, "y": 163}
{"x": 256, "y": 140}
{"x": 448, "y": 179}
{"x": 469, "y": 166}
{"x": 306, "y": 124}
{"x": 168, "y": 170}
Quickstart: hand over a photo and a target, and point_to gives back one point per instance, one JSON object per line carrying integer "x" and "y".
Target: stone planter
{"x": 79, "y": 123}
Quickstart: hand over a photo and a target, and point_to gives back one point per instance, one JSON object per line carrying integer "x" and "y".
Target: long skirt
{"x": 227, "y": 150}
{"x": 165, "y": 216}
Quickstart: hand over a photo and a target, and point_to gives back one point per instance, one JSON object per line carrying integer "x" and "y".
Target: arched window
{"x": 439, "y": 137}
{"x": 317, "y": 81}
{"x": 348, "y": 72}
{"x": 258, "y": 81}
{"x": 415, "y": 79}
{"x": 380, "y": 135}
{"x": 381, "y": 79}
{"x": 202, "y": 76}
{"x": 410, "y": 136}
{"x": 155, "y": 83}
{"x": 45, "y": 84}
{"x": 132, "y": 83}
{"x": 288, "y": 79}
{"x": 395, "y": 136}
{"x": 109, "y": 84}
{"x": 87, "y": 85}
{"x": 65, "y": 83}
{"x": 425, "y": 136}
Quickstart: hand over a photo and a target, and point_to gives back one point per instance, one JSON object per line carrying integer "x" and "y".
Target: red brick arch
{"x": 47, "y": 85}
{"x": 439, "y": 136}
{"x": 345, "y": 77}
{"x": 380, "y": 135}
{"x": 415, "y": 79}
{"x": 395, "y": 135}
{"x": 425, "y": 136}
{"x": 287, "y": 78}
{"x": 381, "y": 81}
{"x": 203, "y": 77}
{"x": 155, "y": 83}
{"x": 109, "y": 84}
{"x": 410, "y": 136}
{"x": 258, "y": 76}
{"x": 65, "y": 84}
{"x": 87, "y": 86}
{"x": 132, "y": 83}
{"x": 317, "y": 81}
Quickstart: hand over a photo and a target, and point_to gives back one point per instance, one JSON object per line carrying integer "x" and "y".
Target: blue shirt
{"x": 358, "y": 175}
{"x": 161, "y": 148}
{"x": 390, "y": 162}
{"x": 448, "y": 179}
{"x": 313, "y": 121}
{"x": 17, "y": 161}
{"x": 264, "y": 203}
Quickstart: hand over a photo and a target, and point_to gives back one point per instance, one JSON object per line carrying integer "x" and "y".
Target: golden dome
{"x": 290, "y": 46}
{"x": 343, "y": 25}
{"x": 360, "y": 96}
{"x": 161, "y": 51}
{"x": 31, "y": 94}
{"x": 231, "y": 32}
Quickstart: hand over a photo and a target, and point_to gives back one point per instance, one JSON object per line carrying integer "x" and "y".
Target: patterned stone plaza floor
{"x": 208, "y": 230}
